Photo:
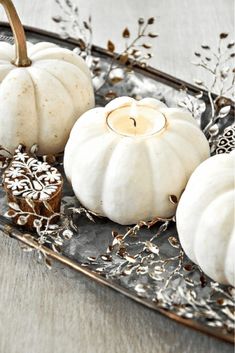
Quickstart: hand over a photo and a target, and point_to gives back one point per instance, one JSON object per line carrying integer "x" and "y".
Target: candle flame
{"x": 133, "y": 110}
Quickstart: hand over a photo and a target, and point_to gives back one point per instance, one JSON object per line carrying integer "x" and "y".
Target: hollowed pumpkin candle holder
{"x": 131, "y": 160}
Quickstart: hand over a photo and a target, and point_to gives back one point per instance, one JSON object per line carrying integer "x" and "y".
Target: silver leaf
{"x": 224, "y": 112}
{"x": 214, "y": 130}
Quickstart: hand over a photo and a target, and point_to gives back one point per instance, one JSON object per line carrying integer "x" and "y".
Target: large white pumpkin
{"x": 41, "y": 95}
{"x": 205, "y": 218}
{"x": 130, "y": 178}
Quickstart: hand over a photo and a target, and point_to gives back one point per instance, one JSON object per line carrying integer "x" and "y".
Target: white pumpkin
{"x": 131, "y": 178}
{"x": 42, "y": 95}
{"x": 205, "y": 218}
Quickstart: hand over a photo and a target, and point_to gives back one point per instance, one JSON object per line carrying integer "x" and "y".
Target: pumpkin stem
{"x": 21, "y": 57}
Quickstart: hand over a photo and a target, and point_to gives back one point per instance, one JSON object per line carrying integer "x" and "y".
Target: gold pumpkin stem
{"x": 21, "y": 57}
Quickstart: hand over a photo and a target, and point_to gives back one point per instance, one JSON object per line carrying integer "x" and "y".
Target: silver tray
{"x": 147, "y": 264}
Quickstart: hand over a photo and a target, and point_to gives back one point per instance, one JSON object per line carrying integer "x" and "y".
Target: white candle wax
{"x": 136, "y": 120}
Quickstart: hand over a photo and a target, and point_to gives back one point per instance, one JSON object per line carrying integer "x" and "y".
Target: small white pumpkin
{"x": 130, "y": 178}
{"x": 205, "y": 218}
{"x": 42, "y": 94}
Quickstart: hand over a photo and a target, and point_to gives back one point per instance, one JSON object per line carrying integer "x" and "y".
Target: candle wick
{"x": 134, "y": 121}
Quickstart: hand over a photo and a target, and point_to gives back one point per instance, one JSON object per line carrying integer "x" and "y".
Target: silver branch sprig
{"x": 172, "y": 282}
{"x": 50, "y": 231}
{"x": 71, "y": 26}
{"x": 136, "y": 51}
{"x": 136, "y": 48}
{"x": 219, "y": 64}
{"x": 194, "y": 104}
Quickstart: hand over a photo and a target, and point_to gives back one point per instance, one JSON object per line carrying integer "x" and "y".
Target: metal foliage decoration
{"x": 136, "y": 48}
{"x": 219, "y": 64}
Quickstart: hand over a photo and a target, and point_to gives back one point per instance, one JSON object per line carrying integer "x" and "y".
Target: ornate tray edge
{"x": 8, "y": 229}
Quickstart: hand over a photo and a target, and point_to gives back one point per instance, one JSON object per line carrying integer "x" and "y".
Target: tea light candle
{"x": 135, "y": 119}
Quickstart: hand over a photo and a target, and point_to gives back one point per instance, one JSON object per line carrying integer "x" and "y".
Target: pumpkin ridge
{"x": 174, "y": 122}
{"x": 86, "y": 122}
{"x": 175, "y": 152}
{"x": 186, "y": 139}
{"x": 14, "y": 122}
{"x": 115, "y": 143}
{"x": 60, "y": 81}
{"x": 230, "y": 242}
{"x": 124, "y": 145}
{"x": 82, "y": 76}
{"x": 40, "y": 133}
{"x": 205, "y": 218}
{"x": 69, "y": 172}
{"x": 150, "y": 168}
{"x": 64, "y": 62}
{"x": 227, "y": 265}
{"x": 4, "y": 46}
{"x": 222, "y": 193}
{"x": 200, "y": 223}
{"x": 177, "y": 115}
{"x": 36, "y": 48}
{"x": 212, "y": 178}
{"x": 92, "y": 131}
{"x": 57, "y": 50}
{"x": 36, "y": 106}
{"x": 5, "y": 69}
{"x": 211, "y": 164}
{"x": 104, "y": 156}
{"x": 152, "y": 150}
{"x": 202, "y": 191}
{"x": 6, "y": 62}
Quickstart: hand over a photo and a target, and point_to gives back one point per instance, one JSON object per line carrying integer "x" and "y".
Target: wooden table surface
{"x": 43, "y": 311}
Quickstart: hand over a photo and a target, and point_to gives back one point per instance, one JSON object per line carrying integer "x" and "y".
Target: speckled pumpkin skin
{"x": 205, "y": 218}
{"x": 40, "y": 103}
